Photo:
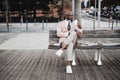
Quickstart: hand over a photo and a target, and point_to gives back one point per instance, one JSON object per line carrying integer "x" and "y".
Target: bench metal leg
{"x": 73, "y": 62}
{"x": 99, "y": 57}
{"x": 96, "y": 56}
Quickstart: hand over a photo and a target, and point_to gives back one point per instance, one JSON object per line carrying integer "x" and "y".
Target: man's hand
{"x": 64, "y": 30}
{"x": 66, "y": 34}
{"x": 79, "y": 34}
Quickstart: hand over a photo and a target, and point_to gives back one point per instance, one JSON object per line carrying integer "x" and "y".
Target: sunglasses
{"x": 70, "y": 15}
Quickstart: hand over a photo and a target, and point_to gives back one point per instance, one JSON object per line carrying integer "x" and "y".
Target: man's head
{"x": 68, "y": 15}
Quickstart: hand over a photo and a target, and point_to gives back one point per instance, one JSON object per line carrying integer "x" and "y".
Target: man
{"x": 68, "y": 32}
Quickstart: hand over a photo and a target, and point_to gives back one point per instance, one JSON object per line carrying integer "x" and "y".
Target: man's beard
{"x": 70, "y": 19}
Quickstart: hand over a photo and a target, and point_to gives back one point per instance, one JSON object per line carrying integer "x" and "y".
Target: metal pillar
{"x": 73, "y": 9}
{"x": 99, "y": 13}
{"x": 62, "y": 15}
{"x": 94, "y": 16}
{"x": 78, "y": 10}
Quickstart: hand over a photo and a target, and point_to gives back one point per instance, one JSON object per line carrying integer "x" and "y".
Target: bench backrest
{"x": 89, "y": 34}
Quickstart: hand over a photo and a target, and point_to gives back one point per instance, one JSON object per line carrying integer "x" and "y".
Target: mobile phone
{"x": 75, "y": 30}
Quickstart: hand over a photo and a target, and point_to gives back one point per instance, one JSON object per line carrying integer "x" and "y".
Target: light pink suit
{"x": 69, "y": 40}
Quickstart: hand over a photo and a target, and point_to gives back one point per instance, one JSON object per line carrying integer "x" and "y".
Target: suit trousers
{"x": 70, "y": 42}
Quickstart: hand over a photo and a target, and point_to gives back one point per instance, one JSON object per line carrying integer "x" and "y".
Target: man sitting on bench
{"x": 68, "y": 32}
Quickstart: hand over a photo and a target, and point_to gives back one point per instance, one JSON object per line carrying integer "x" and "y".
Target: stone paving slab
{"x": 6, "y": 36}
{"x": 27, "y": 41}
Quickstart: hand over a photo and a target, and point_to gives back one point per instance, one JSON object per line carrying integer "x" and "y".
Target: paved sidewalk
{"x": 27, "y": 41}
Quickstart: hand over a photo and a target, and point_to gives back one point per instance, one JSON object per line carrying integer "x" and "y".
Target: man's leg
{"x": 69, "y": 57}
{"x": 71, "y": 38}
{"x": 73, "y": 51}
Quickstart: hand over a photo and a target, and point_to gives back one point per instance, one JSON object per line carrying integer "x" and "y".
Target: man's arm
{"x": 60, "y": 33}
{"x": 77, "y": 28}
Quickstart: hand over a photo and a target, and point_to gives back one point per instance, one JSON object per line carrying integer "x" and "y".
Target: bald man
{"x": 68, "y": 32}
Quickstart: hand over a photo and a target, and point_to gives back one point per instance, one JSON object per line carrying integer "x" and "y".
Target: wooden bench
{"x": 97, "y": 45}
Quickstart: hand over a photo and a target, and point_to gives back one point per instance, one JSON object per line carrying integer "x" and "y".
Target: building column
{"x": 78, "y": 10}
{"x": 73, "y": 9}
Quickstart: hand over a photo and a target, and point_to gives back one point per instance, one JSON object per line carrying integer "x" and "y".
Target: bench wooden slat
{"x": 89, "y": 47}
{"x": 93, "y": 36}
{"x": 94, "y": 31}
{"x": 101, "y": 36}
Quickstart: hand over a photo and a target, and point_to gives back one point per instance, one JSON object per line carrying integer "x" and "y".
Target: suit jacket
{"x": 62, "y": 29}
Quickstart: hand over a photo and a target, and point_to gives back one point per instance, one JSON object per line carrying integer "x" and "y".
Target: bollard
{"x": 8, "y": 27}
{"x": 109, "y": 23}
{"x": 21, "y": 21}
{"x": 7, "y": 21}
{"x": 35, "y": 22}
{"x": 58, "y": 20}
{"x": 93, "y": 24}
{"x": 112, "y": 24}
{"x": 110, "y": 20}
{"x": 43, "y": 25}
{"x": 116, "y": 22}
{"x": 46, "y": 22}
{"x": 27, "y": 25}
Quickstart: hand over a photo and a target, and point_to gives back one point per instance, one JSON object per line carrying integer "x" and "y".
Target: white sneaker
{"x": 73, "y": 63}
{"x": 69, "y": 69}
{"x": 59, "y": 52}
